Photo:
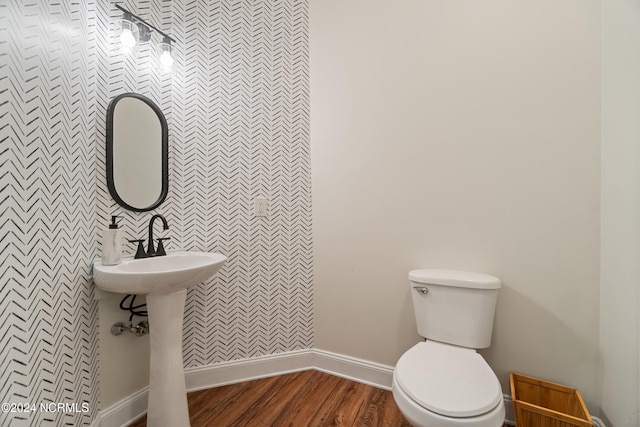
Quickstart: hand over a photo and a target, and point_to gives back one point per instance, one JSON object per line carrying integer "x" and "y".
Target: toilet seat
{"x": 448, "y": 380}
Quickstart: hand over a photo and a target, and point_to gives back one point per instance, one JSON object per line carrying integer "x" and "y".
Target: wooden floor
{"x": 303, "y": 399}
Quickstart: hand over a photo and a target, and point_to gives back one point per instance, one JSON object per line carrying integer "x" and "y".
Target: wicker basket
{"x": 539, "y": 403}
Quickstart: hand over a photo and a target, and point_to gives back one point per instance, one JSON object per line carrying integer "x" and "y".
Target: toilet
{"x": 443, "y": 381}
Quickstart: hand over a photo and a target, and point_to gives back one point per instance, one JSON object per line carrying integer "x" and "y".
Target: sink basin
{"x": 166, "y": 274}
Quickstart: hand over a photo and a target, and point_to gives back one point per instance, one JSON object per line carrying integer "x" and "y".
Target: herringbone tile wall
{"x": 48, "y": 342}
{"x": 237, "y": 104}
{"x": 241, "y": 108}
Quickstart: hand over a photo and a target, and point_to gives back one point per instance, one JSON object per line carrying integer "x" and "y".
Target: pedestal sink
{"x": 164, "y": 280}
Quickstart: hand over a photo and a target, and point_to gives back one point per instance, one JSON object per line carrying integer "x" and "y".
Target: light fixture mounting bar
{"x": 138, "y": 19}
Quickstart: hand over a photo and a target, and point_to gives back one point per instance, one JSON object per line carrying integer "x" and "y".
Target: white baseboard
{"x": 126, "y": 410}
{"x": 351, "y": 368}
{"x": 237, "y": 371}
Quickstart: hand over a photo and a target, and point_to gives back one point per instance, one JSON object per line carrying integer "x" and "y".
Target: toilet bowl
{"x": 443, "y": 381}
{"x": 440, "y": 385}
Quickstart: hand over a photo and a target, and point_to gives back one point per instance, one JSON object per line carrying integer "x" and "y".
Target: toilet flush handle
{"x": 423, "y": 290}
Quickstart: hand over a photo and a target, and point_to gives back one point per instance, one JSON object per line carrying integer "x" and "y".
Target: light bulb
{"x": 127, "y": 39}
{"x": 166, "y": 60}
{"x": 128, "y": 34}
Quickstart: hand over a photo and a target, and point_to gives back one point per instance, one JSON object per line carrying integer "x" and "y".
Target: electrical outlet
{"x": 260, "y": 204}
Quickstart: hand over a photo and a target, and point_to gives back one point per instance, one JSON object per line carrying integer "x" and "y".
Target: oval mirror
{"x": 137, "y": 152}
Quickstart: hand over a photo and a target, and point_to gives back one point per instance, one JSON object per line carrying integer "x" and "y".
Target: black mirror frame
{"x": 165, "y": 152}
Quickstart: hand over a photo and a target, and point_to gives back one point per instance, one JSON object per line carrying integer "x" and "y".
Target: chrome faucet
{"x": 151, "y": 250}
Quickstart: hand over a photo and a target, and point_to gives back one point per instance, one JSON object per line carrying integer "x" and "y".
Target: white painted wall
{"x": 124, "y": 359}
{"x": 620, "y": 251}
{"x": 457, "y": 134}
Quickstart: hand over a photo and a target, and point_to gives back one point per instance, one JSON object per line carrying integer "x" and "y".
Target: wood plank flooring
{"x": 302, "y": 399}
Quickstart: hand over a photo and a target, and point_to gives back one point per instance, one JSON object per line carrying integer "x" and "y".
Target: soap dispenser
{"x": 112, "y": 243}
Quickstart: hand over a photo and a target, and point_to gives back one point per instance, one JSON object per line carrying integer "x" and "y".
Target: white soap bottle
{"x": 112, "y": 243}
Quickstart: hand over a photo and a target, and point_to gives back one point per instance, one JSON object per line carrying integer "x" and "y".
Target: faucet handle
{"x": 140, "y": 253}
{"x": 160, "y": 249}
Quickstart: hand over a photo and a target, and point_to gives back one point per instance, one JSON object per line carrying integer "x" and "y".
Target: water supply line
{"x": 142, "y": 328}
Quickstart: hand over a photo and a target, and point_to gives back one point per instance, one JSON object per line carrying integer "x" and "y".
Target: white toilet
{"x": 443, "y": 382}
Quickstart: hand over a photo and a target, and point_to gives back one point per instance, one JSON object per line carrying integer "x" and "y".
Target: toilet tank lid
{"x": 457, "y": 278}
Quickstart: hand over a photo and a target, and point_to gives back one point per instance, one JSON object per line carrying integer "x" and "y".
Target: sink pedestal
{"x": 167, "y": 389}
{"x": 164, "y": 280}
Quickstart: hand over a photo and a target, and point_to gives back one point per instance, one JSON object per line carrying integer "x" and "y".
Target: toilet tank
{"x": 457, "y": 307}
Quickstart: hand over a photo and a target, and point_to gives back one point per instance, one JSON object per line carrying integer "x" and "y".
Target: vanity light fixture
{"x": 136, "y": 29}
